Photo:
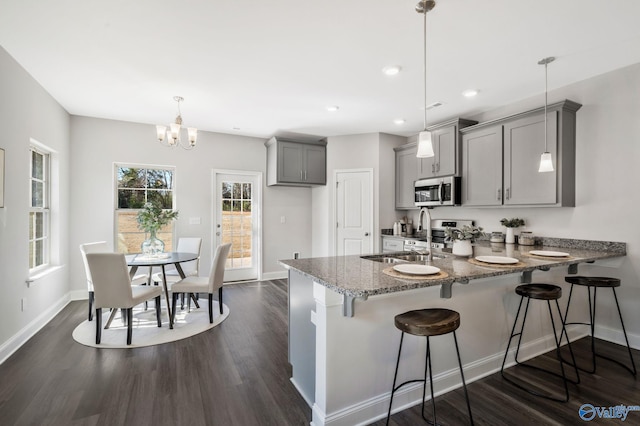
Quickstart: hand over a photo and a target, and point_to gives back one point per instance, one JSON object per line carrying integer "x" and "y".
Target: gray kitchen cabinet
{"x": 445, "y": 162}
{"x": 500, "y": 159}
{"x": 446, "y": 147}
{"x": 482, "y": 167}
{"x": 406, "y": 175}
{"x": 296, "y": 163}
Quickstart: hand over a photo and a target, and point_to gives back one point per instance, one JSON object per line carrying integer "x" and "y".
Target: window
{"x": 134, "y": 187}
{"x": 39, "y": 214}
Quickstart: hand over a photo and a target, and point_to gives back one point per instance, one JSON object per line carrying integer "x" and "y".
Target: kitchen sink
{"x": 418, "y": 257}
{"x": 384, "y": 259}
{"x": 401, "y": 258}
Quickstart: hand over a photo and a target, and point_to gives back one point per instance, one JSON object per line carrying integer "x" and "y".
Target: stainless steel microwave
{"x": 444, "y": 191}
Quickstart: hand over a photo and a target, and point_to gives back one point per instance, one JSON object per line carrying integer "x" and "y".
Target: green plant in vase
{"x": 151, "y": 219}
{"x": 511, "y": 224}
{"x": 462, "y": 239}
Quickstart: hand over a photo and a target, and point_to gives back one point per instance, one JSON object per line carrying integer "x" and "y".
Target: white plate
{"x": 497, "y": 259}
{"x": 413, "y": 269}
{"x": 549, "y": 253}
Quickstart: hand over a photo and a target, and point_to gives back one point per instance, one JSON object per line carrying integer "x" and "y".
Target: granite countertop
{"x": 357, "y": 277}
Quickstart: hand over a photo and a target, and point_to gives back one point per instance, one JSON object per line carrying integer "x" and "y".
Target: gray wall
{"x": 28, "y": 112}
{"x": 98, "y": 144}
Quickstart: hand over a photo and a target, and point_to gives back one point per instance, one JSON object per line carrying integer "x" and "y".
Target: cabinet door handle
{"x": 301, "y": 175}
{"x": 438, "y": 167}
{"x": 305, "y": 175}
{"x": 508, "y": 193}
{"x": 433, "y": 168}
{"x": 499, "y": 194}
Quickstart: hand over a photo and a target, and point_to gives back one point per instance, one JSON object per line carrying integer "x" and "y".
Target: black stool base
{"x": 599, "y": 282}
{"x": 563, "y": 375}
{"x": 428, "y": 369}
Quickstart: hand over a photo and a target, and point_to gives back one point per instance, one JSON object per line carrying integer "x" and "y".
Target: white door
{"x": 236, "y": 219}
{"x": 354, "y": 212}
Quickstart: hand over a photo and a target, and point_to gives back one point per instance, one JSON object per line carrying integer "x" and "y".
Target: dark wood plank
{"x": 237, "y": 374}
{"x": 234, "y": 374}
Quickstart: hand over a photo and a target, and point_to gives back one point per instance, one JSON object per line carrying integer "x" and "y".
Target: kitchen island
{"x": 343, "y": 344}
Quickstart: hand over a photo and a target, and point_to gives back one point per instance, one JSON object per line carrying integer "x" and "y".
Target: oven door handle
{"x": 441, "y": 192}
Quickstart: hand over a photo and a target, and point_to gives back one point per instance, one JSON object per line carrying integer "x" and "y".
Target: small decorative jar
{"x": 526, "y": 239}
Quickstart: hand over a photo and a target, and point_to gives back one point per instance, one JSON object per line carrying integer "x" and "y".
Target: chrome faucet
{"x": 425, "y": 212}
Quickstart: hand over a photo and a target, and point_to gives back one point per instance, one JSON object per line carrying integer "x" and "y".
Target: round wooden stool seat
{"x": 594, "y": 281}
{"x": 540, "y": 291}
{"x": 428, "y": 322}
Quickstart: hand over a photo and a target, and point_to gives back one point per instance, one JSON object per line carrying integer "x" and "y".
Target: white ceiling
{"x": 261, "y": 68}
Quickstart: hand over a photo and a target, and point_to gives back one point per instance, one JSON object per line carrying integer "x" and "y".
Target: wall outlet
{"x": 283, "y": 219}
{"x": 296, "y": 255}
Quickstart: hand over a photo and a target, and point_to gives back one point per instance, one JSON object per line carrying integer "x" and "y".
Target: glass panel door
{"x": 236, "y": 222}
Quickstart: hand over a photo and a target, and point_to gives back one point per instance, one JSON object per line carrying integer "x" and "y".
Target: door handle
{"x": 508, "y": 193}
{"x": 217, "y": 234}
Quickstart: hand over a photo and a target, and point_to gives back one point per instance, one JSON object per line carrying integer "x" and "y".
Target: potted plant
{"x": 462, "y": 239}
{"x": 511, "y": 224}
{"x": 150, "y": 219}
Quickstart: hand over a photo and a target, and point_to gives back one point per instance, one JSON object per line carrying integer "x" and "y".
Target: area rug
{"x": 145, "y": 328}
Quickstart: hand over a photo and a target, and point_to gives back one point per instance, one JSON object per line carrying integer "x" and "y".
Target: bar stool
{"x": 546, "y": 292}
{"x": 428, "y": 322}
{"x": 597, "y": 282}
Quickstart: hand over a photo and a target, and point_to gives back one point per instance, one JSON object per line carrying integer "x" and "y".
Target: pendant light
{"x": 425, "y": 145}
{"x": 546, "y": 162}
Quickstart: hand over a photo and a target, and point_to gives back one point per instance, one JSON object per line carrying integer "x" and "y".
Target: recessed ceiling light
{"x": 333, "y": 108}
{"x": 391, "y": 70}
{"x": 399, "y": 121}
{"x": 470, "y": 93}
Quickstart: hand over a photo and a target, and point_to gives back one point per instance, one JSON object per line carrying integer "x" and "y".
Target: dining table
{"x": 160, "y": 260}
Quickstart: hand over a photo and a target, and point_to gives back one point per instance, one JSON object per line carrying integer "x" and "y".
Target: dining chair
{"x": 112, "y": 289}
{"x": 100, "y": 247}
{"x": 209, "y": 285}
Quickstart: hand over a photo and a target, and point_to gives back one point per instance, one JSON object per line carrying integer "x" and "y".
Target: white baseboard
{"x": 17, "y": 340}
{"x": 374, "y": 409}
{"x": 79, "y": 295}
{"x": 279, "y": 275}
{"x": 616, "y": 336}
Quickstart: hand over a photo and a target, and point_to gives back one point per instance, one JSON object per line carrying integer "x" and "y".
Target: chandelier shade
{"x": 172, "y": 134}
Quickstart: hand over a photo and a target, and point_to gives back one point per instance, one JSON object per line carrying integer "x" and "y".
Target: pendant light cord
{"x": 545, "y": 106}
{"x": 425, "y": 66}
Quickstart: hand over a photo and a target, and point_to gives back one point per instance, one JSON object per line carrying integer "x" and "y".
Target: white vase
{"x": 510, "y": 238}
{"x": 462, "y": 248}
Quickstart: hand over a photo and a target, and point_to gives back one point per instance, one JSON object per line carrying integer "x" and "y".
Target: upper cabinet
{"x": 445, "y": 162}
{"x": 446, "y": 147}
{"x": 406, "y": 175}
{"x": 295, "y": 163}
{"x": 500, "y": 159}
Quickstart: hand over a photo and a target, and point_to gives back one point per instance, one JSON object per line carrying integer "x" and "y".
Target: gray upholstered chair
{"x": 112, "y": 289}
{"x": 209, "y": 285}
{"x": 100, "y": 247}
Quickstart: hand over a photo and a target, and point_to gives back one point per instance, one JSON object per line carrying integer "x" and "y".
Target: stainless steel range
{"x": 438, "y": 236}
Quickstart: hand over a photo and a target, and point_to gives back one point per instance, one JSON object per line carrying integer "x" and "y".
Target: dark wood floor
{"x": 237, "y": 374}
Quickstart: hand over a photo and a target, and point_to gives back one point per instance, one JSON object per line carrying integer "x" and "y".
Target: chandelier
{"x": 173, "y": 133}
{"x": 425, "y": 145}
